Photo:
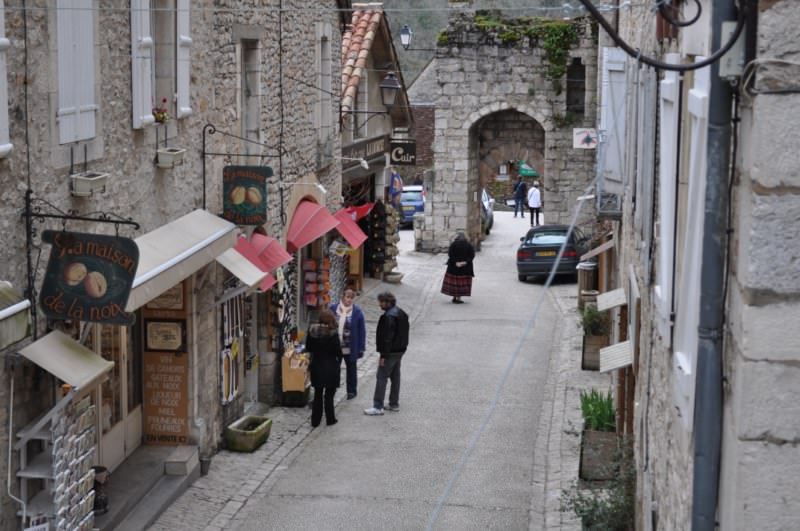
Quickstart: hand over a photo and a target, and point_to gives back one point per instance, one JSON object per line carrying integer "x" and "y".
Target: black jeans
{"x": 316, "y": 405}
{"x": 390, "y": 370}
{"x": 535, "y": 211}
{"x": 352, "y": 375}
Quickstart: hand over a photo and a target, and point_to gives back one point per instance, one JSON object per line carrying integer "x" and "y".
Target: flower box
{"x": 247, "y": 433}
{"x": 169, "y": 157}
{"x": 590, "y": 360}
{"x": 598, "y": 450}
{"x": 86, "y": 183}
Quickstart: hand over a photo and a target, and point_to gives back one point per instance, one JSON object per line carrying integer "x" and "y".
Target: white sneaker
{"x": 373, "y": 411}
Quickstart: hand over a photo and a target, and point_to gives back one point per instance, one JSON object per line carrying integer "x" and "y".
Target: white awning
{"x": 611, "y": 299}
{"x": 241, "y": 268}
{"x": 173, "y": 252}
{"x": 67, "y": 360}
{"x": 14, "y": 315}
{"x": 616, "y": 356}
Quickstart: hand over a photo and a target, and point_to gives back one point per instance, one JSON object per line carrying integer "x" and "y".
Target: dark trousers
{"x": 316, "y": 405}
{"x": 535, "y": 211}
{"x": 352, "y": 375}
{"x": 519, "y": 206}
{"x": 390, "y": 370}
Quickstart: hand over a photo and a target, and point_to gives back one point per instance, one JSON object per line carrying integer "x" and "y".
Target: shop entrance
{"x": 119, "y": 397}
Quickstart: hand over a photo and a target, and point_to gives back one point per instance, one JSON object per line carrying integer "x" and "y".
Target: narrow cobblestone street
{"x": 388, "y": 472}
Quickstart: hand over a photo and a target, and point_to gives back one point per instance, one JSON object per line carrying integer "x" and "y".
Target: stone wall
{"x": 480, "y": 75}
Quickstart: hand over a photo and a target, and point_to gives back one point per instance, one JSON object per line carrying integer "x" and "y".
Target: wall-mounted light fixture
{"x": 405, "y": 40}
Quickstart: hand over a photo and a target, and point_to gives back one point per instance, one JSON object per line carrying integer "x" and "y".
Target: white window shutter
{"x": 687, "y": 316}
{"x": 76, "y": 95}
{"x": 645, "y": 161}
{"x": 141, "y": 64}
{"x": 612, "y": 119}
{"x": 183, "y": 58}
{"x": 669, "y": 132}
{"x": 5, "y": 138}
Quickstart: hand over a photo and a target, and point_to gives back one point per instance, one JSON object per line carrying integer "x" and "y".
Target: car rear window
{"x": 411, "y": 196}
{"x": 547, "y": 238}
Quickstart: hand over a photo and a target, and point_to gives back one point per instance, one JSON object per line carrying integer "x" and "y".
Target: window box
{"x": 169, "y": 157}
{"x": 87, "y": 183}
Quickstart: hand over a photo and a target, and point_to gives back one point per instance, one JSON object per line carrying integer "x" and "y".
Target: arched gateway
{"x": 500, "y": 100}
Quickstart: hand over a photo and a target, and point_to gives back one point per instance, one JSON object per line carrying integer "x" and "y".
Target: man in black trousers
{"x": 391, "y": 343}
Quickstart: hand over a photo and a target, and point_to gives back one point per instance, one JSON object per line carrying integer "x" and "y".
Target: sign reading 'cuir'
{"x": 244, "y": 191}
{"x": 403, "y": 153}
{"x": 88, "y": 277}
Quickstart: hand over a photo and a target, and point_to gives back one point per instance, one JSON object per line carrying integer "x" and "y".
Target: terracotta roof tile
{"x": 356, "y": 44}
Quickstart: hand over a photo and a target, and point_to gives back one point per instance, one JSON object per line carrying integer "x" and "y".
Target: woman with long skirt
{"x": 457, "y": 281}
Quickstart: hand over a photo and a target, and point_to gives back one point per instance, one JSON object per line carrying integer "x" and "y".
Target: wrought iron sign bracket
{"x": 39, "y": 210}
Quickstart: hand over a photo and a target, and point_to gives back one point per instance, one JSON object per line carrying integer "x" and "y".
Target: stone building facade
{"x": 249, "y": 97}
{"x": 755, "y": 484}
{"x": 487, "y": 83}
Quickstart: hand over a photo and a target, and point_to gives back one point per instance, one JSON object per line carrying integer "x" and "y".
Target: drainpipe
{"x": 708, "y": 385}
{"x": 198, "y": 420}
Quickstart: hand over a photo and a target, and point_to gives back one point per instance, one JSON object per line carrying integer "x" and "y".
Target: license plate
{"x": 546, "y": 253}
{"x": 408, "y": 208}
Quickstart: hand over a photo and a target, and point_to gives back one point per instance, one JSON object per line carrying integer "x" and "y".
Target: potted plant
{"x": 86, "y": 183}
{"x": 599, "y": 439}
{"x": 596, "y": 326}
{"x": 611, "y": 507}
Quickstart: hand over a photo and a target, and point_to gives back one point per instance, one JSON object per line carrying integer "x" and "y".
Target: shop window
{"x": 576, "y": 87}
{"x": 77, "y": 106}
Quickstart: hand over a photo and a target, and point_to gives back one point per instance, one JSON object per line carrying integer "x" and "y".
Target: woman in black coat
{"x": 457, "y": 281}
{"x": 326, "y": 359}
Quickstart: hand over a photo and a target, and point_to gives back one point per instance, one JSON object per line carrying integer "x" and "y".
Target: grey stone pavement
{"x": 239, "y": 488}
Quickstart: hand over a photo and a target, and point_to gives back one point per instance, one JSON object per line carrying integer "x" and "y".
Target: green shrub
{"x": 595, "y": 322}
{"x": 598, "y": 410}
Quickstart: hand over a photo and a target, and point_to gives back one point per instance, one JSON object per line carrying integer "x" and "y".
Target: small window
{"x": 576, "y": 87}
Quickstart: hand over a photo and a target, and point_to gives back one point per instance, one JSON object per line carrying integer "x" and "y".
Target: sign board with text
{"x": 166, "y": 390}
{"x": 403, "y": 152}
{"x": 244, "y": 189}
{"x": 88, "y": 277}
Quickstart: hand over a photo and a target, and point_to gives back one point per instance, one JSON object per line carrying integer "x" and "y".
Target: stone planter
{"x": 169, "y": 157}
{"x": 597, "y": 455}
{"x": 590, "y": 360}
{"x": 247, "y": 433}
{"x": 86, "y": 183}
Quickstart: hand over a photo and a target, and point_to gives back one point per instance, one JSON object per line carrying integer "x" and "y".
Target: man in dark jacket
{"x": 391, "y": 342}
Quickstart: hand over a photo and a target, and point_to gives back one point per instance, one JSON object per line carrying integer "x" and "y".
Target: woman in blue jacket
{"x": 353, "y": 336}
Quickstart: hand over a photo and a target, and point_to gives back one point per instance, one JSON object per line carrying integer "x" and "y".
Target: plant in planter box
{"x": 611, "y": 507}
{"x": 596, "y": 325}
{"x": 598, "y": 440}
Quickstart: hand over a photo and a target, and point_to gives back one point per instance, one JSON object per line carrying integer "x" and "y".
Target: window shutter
{"x": 76, "y": 98}
{"x": 5, "y": 139}
{"x": 669, "y": 131}
{"x": 645, "y": 161}
{"x": 688, "y": 291}
{"x": 183, "y": 59}
{"x": 141, "y": 64}
{"x": 612, "y": 119}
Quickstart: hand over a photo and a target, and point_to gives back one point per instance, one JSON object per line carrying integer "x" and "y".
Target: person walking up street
{"x": 457, "y": 281}
{"x": 535, "y": 203}
{"x": 326, "y": 360}
{"x": 391, "y": 341}
{"x": 520, "y": 195}
{"x": 352, "y": 330}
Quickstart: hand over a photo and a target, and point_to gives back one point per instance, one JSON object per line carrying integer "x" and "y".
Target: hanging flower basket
{"x": 169, "y": 157}
{"x": 86, "y": 183}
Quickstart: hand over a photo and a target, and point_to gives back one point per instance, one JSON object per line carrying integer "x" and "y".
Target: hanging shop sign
{"x": 403, "y": 152}
{"x": 244, "y": 191}
{"x": 88, "y": 277}
{"x": 165, "y": 398}
{"x": 584, "y": 138}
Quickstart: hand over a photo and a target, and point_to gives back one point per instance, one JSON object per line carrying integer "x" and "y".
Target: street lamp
{"x": 390, "y": 87}
{"x": 361, "y": 161}
{"x": 405, "y": 40}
